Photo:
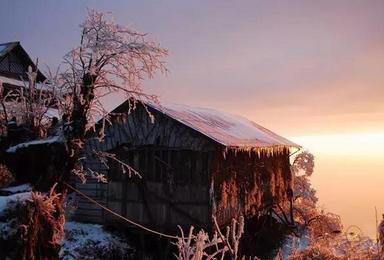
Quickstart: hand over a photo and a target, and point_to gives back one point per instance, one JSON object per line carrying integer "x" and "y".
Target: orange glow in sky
{"x": 309, "y": 69}
{"x": 367, "y": 146}
{"x": 349, "y": 175}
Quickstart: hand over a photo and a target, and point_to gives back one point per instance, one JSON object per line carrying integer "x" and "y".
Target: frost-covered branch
{"x": 29, "y": 104}
{"x": 109, "y": 59}
{"x": 200, "y": 246}
{"x": 105, "y": 158}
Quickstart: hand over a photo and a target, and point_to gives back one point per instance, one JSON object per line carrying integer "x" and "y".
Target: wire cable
{"x": 118, "y": 215}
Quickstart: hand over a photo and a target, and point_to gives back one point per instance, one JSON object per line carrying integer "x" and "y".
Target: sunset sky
{"x": 309, "y": 70}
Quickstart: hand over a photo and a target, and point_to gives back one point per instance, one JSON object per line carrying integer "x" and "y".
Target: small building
{"x": 195, "y": 163}
{"x": 14, "y": 63}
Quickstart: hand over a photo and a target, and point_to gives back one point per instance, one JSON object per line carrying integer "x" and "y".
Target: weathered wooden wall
{"x": 173, "y": 189}
{"x": 136, "y": 129}
{"x": 12, "y": 65}
{"x": 174, "y": 162}
{"x": 185, "y": 180}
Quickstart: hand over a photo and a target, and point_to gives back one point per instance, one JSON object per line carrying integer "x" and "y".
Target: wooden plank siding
{"x": 173, "y": 160}
{"x": 87, "y": 211}
{"x": 173, "y": 189}
{"x": 185, "y": 177}
{"x": 136, "y": 129}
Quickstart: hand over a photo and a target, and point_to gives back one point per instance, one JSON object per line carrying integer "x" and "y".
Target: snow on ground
{"x": 52, "y": 112}
{"x": 90, "y": 241}
{"x": 50, "y": 140}
{"x": 7, "y": 229}
{"x": 18, "y": 188}
{"x": 7, "y": 202}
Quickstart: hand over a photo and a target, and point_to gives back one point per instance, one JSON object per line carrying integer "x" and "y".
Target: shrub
{"x": 41, "y": 225}
{"x": 6, "y": 176}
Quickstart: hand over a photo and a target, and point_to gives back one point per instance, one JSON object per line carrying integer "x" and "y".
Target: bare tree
{"x": 380, "y": 230}
{"x": 305, "y": 209}
{"x": 3, "y": 111}
{"x": 110, "y": 59}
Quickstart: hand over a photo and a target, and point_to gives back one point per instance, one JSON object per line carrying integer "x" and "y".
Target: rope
{"x": 118, "y": 215}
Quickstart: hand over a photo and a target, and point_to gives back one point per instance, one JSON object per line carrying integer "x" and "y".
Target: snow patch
{"x": 22, "y": 83}
{"x": 52, "y": 112}
{"x": 17, "y": 189}
{"x": 79, "y": 237}
{"x": 54, "y": 139}
{"x": 8, "y": 202}
{"x": 3, "y": 47}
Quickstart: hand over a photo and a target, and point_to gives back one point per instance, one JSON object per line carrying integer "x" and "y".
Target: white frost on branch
{"x": 115, "y": 58}
{"x": 201, "y": 246}
{"x": 105, "y": 157}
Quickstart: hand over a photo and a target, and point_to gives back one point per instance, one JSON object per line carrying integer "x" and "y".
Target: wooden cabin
{"x": 195, "y": 163}
{"x": 14, "y": 63}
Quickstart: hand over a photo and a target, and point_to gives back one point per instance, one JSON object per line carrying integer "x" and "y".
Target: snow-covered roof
{"x": 12, "y": 81}
{"x": 2, "y": 48}
{"x": 23, "y": 83}
{"x": 227, "y": 129}
{"x": 50, "y": 140}
{"x": 26, "y": 61}
{"x": 6, "y": 47}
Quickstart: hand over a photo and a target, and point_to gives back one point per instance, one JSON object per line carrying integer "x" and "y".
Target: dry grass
{"x": 41, "y": 225}
{"x": 200, "y": 246}
{"x": 6, "y": 176}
